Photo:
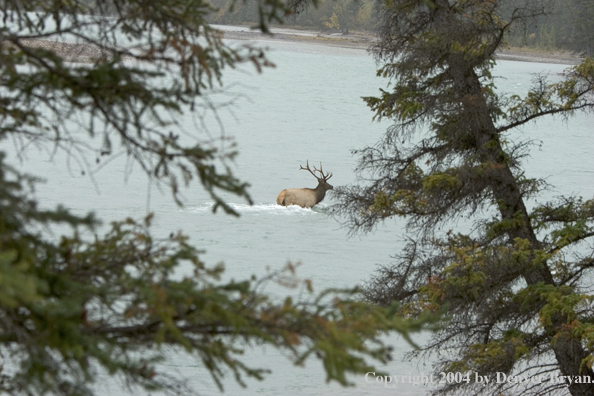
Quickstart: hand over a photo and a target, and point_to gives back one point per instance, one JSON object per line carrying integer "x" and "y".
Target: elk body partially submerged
{"x": 306, "y": 197}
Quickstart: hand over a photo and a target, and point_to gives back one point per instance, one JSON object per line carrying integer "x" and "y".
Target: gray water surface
{"x": 308, "y": 107}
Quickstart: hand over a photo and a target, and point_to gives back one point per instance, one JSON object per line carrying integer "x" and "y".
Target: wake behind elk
{"x": 306, "y": 197}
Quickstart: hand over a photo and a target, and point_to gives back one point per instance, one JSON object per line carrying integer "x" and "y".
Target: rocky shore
{"x": 70, "y": 52}
{"x": 355, "y": 40}
{"x": 561, "y": 57}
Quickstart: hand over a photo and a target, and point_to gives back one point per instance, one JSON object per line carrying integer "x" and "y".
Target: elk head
{"x": 322, "y": 180}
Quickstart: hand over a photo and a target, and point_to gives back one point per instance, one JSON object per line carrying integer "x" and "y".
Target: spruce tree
{"x": 515, "y": 299}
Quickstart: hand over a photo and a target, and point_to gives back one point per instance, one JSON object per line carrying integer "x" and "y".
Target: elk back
{"x": 304, "y": 197}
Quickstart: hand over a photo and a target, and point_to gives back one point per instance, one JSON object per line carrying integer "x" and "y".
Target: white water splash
{"x": 263, "y": 208}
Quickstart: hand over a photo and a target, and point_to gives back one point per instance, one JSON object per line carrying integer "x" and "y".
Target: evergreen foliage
{"x": 515, "y": 288}
{"x": 85, "y": 303}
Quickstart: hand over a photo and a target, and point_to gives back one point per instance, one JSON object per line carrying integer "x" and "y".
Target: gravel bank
{"x": 70, "y": 52}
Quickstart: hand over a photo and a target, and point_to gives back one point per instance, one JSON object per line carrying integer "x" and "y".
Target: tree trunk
{"x": 568, "y": 350}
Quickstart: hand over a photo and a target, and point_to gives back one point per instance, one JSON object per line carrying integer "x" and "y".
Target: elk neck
{"x": 320, "y": 191}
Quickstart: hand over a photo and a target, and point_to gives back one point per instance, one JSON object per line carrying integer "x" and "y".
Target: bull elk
{"x": 306, "y": 197}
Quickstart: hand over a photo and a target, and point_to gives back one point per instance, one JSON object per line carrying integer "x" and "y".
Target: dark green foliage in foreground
{"x": 516, "y": 288}
{"x": 83, "y": 304}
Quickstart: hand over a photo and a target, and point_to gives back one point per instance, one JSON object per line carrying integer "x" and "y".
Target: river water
{"x": 307, "y": 108}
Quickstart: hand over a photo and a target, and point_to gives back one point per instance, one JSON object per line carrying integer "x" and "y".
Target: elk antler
{"x": 307, "y": 169}
{"x": 324, "y": 177}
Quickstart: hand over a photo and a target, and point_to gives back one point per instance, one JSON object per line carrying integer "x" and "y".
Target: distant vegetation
{"x": 340, "y": 16}
{"x": 569, "y": 26}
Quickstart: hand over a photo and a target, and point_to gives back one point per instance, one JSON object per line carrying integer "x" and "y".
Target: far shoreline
{"x": 86, "y": 53}
{"x": 363, "y": 41}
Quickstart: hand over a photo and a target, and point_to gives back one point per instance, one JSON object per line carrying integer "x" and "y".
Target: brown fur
{"x": 304, "y": 197}
{"x": 280, "y": 200}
